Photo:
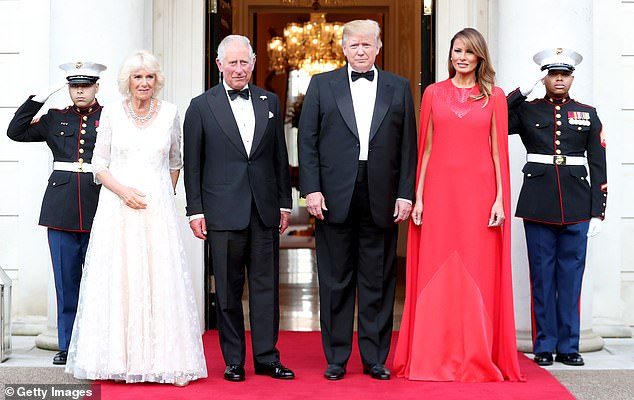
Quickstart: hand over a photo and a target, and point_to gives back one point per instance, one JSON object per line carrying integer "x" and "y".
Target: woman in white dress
{"x": 137, "y": 319}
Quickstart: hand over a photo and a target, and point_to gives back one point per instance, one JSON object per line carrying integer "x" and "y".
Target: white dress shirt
{"x": 363, "y": 97}
{"x": 244, "y": 115}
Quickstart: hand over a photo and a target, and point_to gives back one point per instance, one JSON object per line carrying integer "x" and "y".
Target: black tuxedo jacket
{"x": 222, "y": 181}
{"x": 329, "y": 145}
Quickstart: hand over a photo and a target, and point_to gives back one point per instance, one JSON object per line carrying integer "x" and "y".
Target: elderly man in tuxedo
{"x": 238, "y": 192}
{"x": 357, "y": 163}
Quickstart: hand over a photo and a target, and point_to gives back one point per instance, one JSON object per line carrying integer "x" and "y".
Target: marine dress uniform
{"x": 557, "y": 201}
{"x": 70, "y": 199}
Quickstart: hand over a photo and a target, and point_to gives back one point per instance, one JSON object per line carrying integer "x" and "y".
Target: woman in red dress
{"x": 458, "y": 322}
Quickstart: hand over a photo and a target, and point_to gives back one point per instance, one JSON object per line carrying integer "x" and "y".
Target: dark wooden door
{"x": 217, "y": 26}
{"x": 428, "y": 40}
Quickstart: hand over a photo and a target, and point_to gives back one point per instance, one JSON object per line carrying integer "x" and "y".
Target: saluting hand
{"x": 44, "y": 94}
{"x": 527, "y": 88}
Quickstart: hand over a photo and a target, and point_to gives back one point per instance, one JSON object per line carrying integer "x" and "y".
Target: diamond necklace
{"x": 136, "y": 117}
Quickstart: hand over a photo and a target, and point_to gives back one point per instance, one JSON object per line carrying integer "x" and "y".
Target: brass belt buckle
{"x": 80, "y": 167}
{"x": 560, "y": 160}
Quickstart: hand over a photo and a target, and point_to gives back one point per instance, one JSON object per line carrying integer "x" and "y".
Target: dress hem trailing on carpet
{"x": 458, "y": 320}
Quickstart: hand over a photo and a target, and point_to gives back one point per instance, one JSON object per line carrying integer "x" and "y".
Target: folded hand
{"x": 133, "y": 198}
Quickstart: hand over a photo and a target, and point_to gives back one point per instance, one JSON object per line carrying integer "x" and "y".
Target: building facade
{"x": 38, "y": 35}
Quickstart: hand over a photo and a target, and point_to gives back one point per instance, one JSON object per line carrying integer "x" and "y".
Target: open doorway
{"x": 408, "y": 39}
{"x": 290, "y": 85}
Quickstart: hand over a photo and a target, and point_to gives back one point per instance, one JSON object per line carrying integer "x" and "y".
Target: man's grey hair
{"x": 233, "y": 39}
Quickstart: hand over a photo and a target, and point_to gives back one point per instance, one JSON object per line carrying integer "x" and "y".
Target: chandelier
{"x": 313, "y": 3}
{"x": 314, "y": 46}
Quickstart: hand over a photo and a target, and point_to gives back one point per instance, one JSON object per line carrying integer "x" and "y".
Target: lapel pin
{"x": 270, "y": 114}
{"x": 263, "y": 97}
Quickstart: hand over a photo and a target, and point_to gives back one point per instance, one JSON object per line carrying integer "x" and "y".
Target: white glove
{"x": 527, "y": 88}
{"x": 595, "y": 227}
{"x": 43, "y": 95}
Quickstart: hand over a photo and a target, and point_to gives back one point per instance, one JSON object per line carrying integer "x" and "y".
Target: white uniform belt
{"x": 72, "y": 166}
{"x": 556, "y": 159}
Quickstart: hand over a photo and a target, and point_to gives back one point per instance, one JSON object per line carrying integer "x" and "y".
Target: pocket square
{"x": 271, "y": 115}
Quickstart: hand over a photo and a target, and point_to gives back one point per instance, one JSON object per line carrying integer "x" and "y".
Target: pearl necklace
{"x": 136, "y": 118}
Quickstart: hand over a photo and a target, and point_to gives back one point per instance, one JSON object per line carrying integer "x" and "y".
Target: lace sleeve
{"x": 175, "y": 158}
{"x": 101, "y": 153}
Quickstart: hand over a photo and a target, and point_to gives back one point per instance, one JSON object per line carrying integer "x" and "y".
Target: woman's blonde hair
{"x": 485, "y": 74}
{"x": 140, "y": 60}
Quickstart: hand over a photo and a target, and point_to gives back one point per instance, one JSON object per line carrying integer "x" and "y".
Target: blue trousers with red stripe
{"x": 68, "y": 252}
{"x": 557, "y": 259}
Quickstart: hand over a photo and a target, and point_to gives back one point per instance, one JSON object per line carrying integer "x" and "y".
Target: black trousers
{"x": 356, "y": 256}
{"x": 254, "y": 250}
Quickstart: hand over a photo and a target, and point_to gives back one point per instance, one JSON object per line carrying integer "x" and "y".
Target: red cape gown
{"x": 458, "y": 320}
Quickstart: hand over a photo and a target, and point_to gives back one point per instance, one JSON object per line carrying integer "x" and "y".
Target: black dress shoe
{"x": 234, "y": 373}
{"x": 274, "y": 370}
{"x": 60, "y": 358}
{"x": 334, "y": 372}
{"x": 377, "y": 371}
{"x": 543, "y": 359}
{"x": 573, "y": 359}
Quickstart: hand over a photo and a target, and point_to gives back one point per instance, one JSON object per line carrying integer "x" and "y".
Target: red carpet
{"x": 301, "y": 351}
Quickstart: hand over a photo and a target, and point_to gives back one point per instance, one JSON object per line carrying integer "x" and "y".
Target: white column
{"x": 100, "y": 31}
{"x": 179, "y": 44}
{"x": 605, "y": 250}
{"x": 525, "y": 28}
{"x": 451, "y": 17}
{"x": 25, "y": 250}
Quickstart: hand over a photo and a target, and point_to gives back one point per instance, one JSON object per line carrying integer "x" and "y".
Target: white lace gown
{"x": 137, "y": 318}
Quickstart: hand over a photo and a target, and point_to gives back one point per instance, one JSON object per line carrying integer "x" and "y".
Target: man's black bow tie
{"x": 234, "y": 93}
{"x": 369, "y": 75}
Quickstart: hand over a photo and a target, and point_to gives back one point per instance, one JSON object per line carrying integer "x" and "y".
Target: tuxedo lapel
{"x": 221, "y": 109}
{"x": 343, "y": 97}
{"x": 384, "y": 93}
{"x": 261, "y": 109}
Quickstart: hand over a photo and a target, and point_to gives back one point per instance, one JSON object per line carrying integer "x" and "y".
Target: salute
{"x": 70, "y": 199}
{"x": 560, "y": 206}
